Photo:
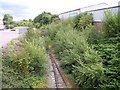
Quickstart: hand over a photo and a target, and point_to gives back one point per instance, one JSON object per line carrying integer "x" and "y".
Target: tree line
{"x": 42, "y": 19}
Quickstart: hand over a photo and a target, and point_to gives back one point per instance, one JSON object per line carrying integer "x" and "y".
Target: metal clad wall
{"x": 69, "y": 14}
{"x": 74, "y": 13}
{"x": 96, "y": 10}
{"x": 99, "y": 14}
{"x": 93, "y": 7}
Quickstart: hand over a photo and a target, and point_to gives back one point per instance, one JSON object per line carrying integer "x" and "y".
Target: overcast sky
{"x": 28, "y": 9}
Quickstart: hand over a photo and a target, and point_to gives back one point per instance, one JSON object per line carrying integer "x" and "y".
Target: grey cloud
{"x": 17, "y": 10}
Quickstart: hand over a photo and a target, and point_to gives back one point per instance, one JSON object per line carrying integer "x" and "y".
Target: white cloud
{"x": 35, "y": 7}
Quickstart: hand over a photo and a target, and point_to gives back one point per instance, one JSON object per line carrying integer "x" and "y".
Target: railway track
{"x": 59, "y": 78}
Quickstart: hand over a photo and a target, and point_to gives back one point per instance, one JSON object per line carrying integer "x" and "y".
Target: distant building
{"x": 69, "y": 13}
{"x": 79, "y": 10}
{"x": 97, "y": 11}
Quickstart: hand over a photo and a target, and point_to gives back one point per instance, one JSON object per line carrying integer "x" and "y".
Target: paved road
{"x": 6, "y": 36}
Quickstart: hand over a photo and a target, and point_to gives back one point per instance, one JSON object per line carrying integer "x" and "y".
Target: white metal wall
{"x": 69, "y": 14}
{"x": 93, "y": 7}
{"x": 96, "y": 10}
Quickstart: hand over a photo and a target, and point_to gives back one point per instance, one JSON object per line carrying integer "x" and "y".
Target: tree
{"x": 28, "y": 23}
{"x": 7, "y": 20}
{"x": 45, "y": 18}
{"x": 55, "y": 18}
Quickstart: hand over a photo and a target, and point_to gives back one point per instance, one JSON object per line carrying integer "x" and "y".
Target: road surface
{"x": 6, "y": 36}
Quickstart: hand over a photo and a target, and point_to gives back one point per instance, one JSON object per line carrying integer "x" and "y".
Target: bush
{"x": 108, "y": 50}
{"x": 91, "y": 56}
{"x": 82, "y": 20}
{"x": 78, "y": 59}
{"x": 109, "y": 53}
{"x": 32, "y": 34}
{"x": 111, "y": 24}
{"x": 51, "y": 30}
{"x": 92, "y": 35}
{"x": 37, "y": 56}
{"x": 24, "y": 63}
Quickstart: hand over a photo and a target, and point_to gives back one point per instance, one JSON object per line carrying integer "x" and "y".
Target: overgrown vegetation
{"x": 24, "y": 63}
{"x": 90, "y": 55}
{"x": 108, "y": 50}
{"x": 28, "y": 23}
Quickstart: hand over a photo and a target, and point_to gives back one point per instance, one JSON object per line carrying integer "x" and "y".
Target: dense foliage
{"x": 7, "y": 20}
{"x": 90, "y": 55}
{"x": 45, "y": 18}
{"x": 82, "y": 20}
{"x": 28, "y": 23}
{"x": 108, "y": 49}
{"x": 24, "y": 63}
{"x": 111, "y": 24}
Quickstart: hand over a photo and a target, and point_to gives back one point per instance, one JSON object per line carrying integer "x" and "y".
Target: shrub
{"x": 109, "y": 53}
{"x": 82, "y": 20}
{"x": 37, "y": 56}
{"x": 91, "y": 56}
{"x": 111, "y": 24}
{"x": 25, "y": 63}
{"x": 78, "y": 59}
{"x": 92, "y": 35}
{"x": 108, "y": 50}
{"x": 32, "y": 34}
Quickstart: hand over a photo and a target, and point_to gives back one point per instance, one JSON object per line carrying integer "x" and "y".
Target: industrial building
{"x": 97, "y": 11}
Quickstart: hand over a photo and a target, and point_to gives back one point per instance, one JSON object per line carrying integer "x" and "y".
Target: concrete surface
{"x": 6, "y": 36}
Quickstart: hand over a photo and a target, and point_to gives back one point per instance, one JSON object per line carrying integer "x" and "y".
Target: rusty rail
{"x": 54, "y": 64}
